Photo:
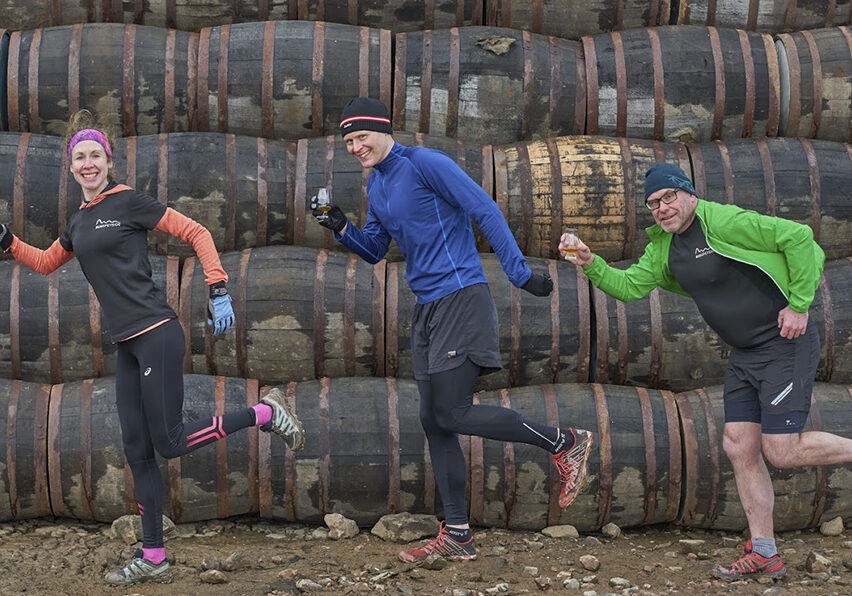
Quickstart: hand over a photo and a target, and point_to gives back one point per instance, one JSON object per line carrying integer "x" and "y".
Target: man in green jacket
{"x": 753, "y": 278}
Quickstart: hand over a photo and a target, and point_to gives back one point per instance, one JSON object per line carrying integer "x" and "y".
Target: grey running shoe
{"x": 443, "y": 545}
{"x": 573, "y": 466}
{"x": 139, "y": 570}
{"x": 284, "y": 422}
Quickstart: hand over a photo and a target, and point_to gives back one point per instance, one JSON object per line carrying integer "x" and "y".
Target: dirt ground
{"x": 258, "y": 557}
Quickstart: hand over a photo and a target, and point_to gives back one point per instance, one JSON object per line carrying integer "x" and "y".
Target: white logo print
{"x": 703, "y": 252}
{"x": 147, "y": 371}
{"x": 108, "y": 223}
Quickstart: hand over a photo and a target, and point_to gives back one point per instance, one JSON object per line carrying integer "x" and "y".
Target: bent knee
{"x": 451, "y": 419}
{"x": 778, "y": 450}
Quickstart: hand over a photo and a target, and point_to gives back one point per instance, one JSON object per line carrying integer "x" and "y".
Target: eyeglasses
{"x": 668, "y": 198}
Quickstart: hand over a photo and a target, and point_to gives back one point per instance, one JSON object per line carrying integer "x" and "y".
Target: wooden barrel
{"x": 51, "y": 327}
{"x": 542, "y": 340}
{"x": 288, "y": 79}
{"x": 816, "y": 85}
{"x": 572, "y": 19}
{"x": 806, "y": 181}
{"x": 90, "y": 478}
{"x": 23, "y": 450}
{"x": 301, "y": 313}
{"x": 142, "y": 78}
{"x": 771, "y": 16}
{"x": 488, "y": 85}
{"x": 691, "y": 84}
{"x": 662, "y": 341}
{"x": 595, "y": 184}
{"x": 804, "y": 497}
{"x": 4, "y": 57}
{"x": 395, "y": 15}
{"x": 366, "y": 456}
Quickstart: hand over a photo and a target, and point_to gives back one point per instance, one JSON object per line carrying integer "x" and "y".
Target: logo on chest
{"x": 703, "y": 252}
{"x": 107, "y": 223}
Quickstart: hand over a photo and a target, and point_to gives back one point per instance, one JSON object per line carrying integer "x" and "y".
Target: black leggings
{"x": 149, "y": 398}
{"x": 447, "y": 410}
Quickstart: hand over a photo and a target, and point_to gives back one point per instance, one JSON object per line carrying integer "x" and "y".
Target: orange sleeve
{"x": 40, "y": 261}
{"x": 189, "y": 230}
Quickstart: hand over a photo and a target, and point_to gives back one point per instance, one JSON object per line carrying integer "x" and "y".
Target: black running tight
{"x": 149, "y": 398}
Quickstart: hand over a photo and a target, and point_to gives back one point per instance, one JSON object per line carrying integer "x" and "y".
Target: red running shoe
{"x": 573, "y": 466}
{"x": 751, "y": 564}
{"x": 443, "y": 545}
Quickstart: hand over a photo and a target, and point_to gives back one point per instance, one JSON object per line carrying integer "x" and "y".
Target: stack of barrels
{"x": 229, "y": 113}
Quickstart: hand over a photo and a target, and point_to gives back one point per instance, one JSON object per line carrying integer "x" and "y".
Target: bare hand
{"x": 792, "y": 323}
{"x": 583, "y": 257}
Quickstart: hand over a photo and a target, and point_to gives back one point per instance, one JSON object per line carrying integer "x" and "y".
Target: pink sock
{"x": 154, "y": 555}
{"x": 262, "y": 413}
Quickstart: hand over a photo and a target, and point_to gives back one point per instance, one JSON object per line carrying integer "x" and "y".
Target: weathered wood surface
{"x": 771, "y": 16}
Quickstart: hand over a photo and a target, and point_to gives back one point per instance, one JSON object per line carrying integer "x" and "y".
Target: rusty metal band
{"x": 452, "y": 124}
{"x": 264, "y": 475}
{"x": 399, "y": 82}
{"x": 675, "y": 456}
{"x": 328, "y": 237}
{"x": 171, "y": 14}
{"x": 74, "y": 68}
{"x": 62, "y": 193}
{"x": 659, "y": 85}
{"x": 820, "y": 487}
{"x": 192, "y": 82}
{"x": 95, "y": 327}
{"x": 515, "y": 334}
{"x": 11, "y": 445}
{"x": 774, "y": 116}
{"x": 54, "y": 451}
{"x": 793, "y": 65}
{"x": 602, "y": 334}
{"x": 169, "y": 82}
{"x": 555, "y": 324}
{"x": 727, "y": 173}
{"x": 689, "y": 509}
{"x": 699, "y": 173}
{"x": 172, "y": 281}
{"x": 623, "y": 349}
{"x": 554, "y": 125}
{"x": 711, "y": 13}
{"x": 618, "y": 15}
{"x": 185, "y": 309}
{"x": 40, "y": 455}
{"x": 628, "y": 170}
{"x": 650, "y": 455}
{"x": 525, "y": 196}
{"x": 349, "y": 293}
{"x": 847, "y": 35}
{"x": 128, "y": 94}
{"x": 829, "y": 13}
{"x": 477, "y": 475}
{"x": 352, "y": 12}
{"x": 319, "y": 313}
{"x": 653, "y": 14}
{"x": 551, "y": 412}
{"x": 267, "y": 107}
{"x": 163, "y": 186}
{"x": 302, "y": 9}
{"x": 290, "y": 193}
{"x": 828, "y": 321}
{"x": 620, "y": 84}
{"x": 236, "y": 11}
{"x": 240, "y": 315}
{"x": 32, "y": 81}
{"x": 365, "y": 199}
{"x": 508, "y": 466}
{"x": 488, "y": 170}
{"x": 816, "y": 73}
{"x": 592, "y": 92}
{"x": 222, "y": 482}
{"x": 537, "y": 16}
{"x": 719, "y": 72}
{"x": 290, "y": 488}
{"x": 501, "y": 180}
{"x": 491, "y": 12}
{"x": 53, "y": 327}
{"x": 392, "y": 320}
{"x": 385, "y": 63}
{"x": 605, "y": 451}
{"x": 768, "y": 175}
{"x": 300, "y": 196}
{"x": 139, "y": 12}
{"x": 324, "y": 447}
{"x": 230, "y": 210}
{"x": 317, "y": 76}
{"x": 656, "y": 337}
{"x": 19, "y": 192}
{"x": 394, "y": 472}
{"x": 91, "y": 15}
{"x": 364, "y": 61}
{"x": 15, "y": 319}
{"x": 86, "y": 494}
{"x": 425, "y": 82}
{"x": 748, "y": 62}
{"x": 790, "y": 16}
{"x": 262, "y": 213}
{"x": 585, "y": 340}
{"x": 253, "y": 497}
{"x": 529, "y": 85}
{"x": 713, "y": 445}
{"x": 753, "y": 10}
{"x": 580, "y": 98}
{"x": 816, "y": 187}
{"x": 12, "y": 78}
{"x": 222, "y": 98}
{"x": 209, "y": 342}
{"x": 55, "y": 13}
{"x": 378, "y": 323}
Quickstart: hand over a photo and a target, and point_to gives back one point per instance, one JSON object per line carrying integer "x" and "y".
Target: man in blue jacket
{"x": 420, "y": 198}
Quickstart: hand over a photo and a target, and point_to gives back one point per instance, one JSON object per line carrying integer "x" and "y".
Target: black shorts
{"x": 772, "y": 384}
{"x": 446, "y": 331}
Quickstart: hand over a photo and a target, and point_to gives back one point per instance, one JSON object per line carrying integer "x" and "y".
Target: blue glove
{"x": 220, "y": 314}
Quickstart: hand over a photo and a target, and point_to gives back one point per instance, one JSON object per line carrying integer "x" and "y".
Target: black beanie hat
{"x": 666, "y": 175}
{"x": 365, "y": 113}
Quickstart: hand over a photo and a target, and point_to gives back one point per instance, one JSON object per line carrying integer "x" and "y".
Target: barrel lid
{"x": 4, "y": 55}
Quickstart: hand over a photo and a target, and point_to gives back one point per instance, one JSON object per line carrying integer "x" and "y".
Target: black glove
{"x": 539, "y": 284}
{"x": 334, "y": 219}
{"x": 5, "y": 237}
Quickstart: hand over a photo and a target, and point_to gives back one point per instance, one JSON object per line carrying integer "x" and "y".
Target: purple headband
{"x": 89, "y": 134}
